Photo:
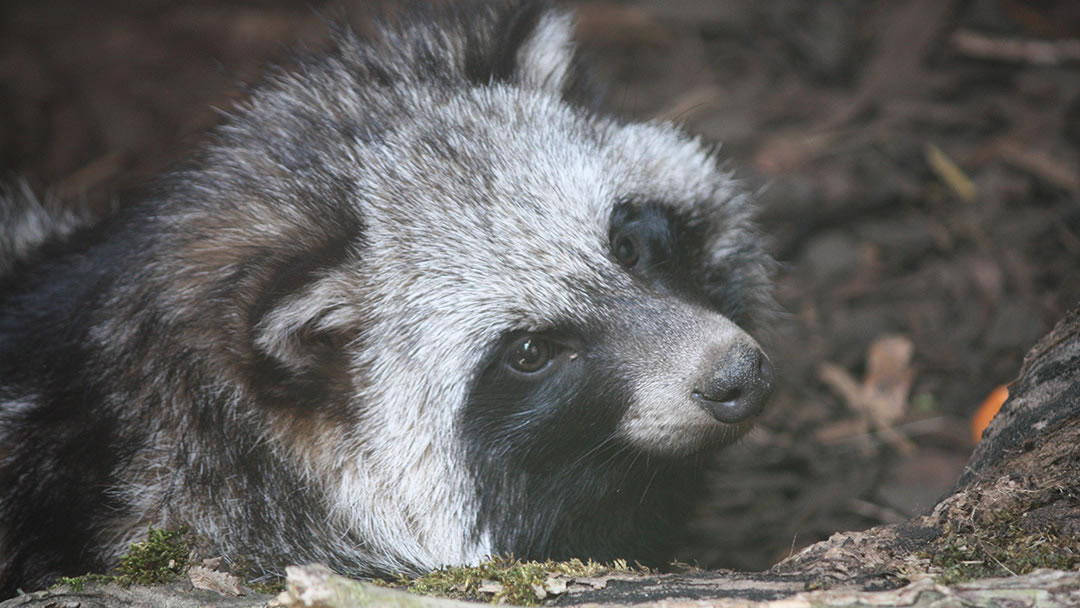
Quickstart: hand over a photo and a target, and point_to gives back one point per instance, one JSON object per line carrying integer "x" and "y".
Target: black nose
{"x": 739, "y": 385}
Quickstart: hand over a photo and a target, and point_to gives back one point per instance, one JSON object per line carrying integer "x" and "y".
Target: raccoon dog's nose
{"x": 738, "y": 386}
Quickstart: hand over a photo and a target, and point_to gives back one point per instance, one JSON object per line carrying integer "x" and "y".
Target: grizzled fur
{"x": 26, "y": 224}
{"x": 317, "y": 341}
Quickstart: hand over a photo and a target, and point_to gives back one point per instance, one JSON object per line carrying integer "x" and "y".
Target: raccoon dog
{"x": 412, "y": 305}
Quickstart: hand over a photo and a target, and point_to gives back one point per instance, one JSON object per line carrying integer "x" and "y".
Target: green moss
{"x": 1000, "y": 548}
{"x": 515, "y": 582}
{"x": 77, "y": 583}
{"x": 162, "y": 558}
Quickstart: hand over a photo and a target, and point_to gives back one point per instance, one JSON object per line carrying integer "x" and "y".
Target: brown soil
{"x": 918, "y": 171}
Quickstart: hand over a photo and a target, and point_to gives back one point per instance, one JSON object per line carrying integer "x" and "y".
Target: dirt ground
{"x": 917, "y": 163}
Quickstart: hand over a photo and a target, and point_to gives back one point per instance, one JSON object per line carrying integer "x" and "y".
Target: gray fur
{"x": 27, "y": 223}
{"x": 365, "y": 228}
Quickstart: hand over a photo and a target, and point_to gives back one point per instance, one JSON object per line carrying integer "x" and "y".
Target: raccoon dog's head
{"x": 505, "y": 315}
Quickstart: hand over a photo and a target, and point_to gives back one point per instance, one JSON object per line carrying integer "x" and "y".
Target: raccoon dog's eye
{"x": 626, "y": 250}
{"x": 530, "y": 354}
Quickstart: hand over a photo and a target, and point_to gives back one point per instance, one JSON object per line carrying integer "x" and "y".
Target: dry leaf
{"x": 212, "y": 580}
{"x": 882, "y": 397}
{"x": 889, "y": 376}
{"x": 489, "y": 586}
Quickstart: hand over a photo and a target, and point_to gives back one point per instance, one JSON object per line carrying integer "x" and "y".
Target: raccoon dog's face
{"x": 643, "y": 356}
{"x": 527, "y": 310}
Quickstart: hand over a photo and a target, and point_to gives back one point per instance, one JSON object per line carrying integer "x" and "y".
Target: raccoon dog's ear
{"x": 534, "y": 48}
{"x": 299, "y": 341}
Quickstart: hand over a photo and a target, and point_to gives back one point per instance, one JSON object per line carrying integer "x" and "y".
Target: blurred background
{"x": 918, "y": 164}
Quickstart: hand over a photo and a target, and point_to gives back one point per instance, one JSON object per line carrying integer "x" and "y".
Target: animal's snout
{"x": 737, "y": 386}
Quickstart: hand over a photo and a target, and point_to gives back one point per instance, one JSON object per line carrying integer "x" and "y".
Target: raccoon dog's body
{"x": 409, "y": 307}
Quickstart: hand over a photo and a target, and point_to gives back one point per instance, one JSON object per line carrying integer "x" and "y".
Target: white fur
{"x": 428, "y": 312}
{"x": 544, "y": 59}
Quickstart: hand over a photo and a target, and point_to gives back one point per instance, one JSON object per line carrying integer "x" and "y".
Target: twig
{"x": 1016, "y": 50}
{"x": 1042, "y": 165}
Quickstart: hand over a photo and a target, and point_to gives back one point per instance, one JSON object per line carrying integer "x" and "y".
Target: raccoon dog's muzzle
{"x": 698, "y": 379}
{"x": 737, "y": 384}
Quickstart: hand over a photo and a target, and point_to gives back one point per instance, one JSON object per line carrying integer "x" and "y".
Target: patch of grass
{"x": 1002, "y": 548}
{"x": 503, "y": 580}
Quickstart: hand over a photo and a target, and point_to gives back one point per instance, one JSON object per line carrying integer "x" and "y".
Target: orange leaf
{"x": 987, "y": 410}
